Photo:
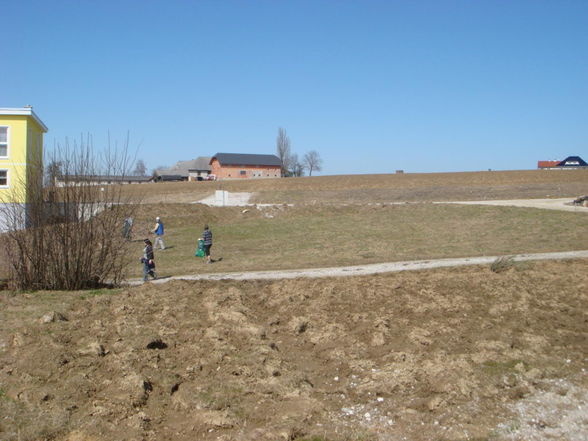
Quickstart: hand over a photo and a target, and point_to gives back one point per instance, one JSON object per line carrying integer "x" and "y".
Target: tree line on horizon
{"x": 292, "y": 165}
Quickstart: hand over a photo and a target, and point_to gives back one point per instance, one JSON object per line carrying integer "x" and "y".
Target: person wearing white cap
{"x": 159, "y": 232}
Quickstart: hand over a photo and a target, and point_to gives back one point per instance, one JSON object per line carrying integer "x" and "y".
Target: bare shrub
{"x": 502, "y": 264}
{"x": 69, "y": 236}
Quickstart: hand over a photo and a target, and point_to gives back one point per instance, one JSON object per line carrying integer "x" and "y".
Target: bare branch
{"x": 283, "y": 150}
{"x": 68, "y": 237}
{"x": 312, "y": 162}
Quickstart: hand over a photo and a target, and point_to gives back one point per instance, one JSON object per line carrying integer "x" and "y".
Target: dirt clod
{"x": 156, "y": 343}
{"x": 53, "y": 316}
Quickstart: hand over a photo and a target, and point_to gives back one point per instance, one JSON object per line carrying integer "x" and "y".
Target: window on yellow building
{"x": 3, "y": 142}
{"x": 3, "y": 178}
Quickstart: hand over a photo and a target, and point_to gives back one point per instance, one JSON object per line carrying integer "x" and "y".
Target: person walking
{"x": 128, "y": 228}
{"x": 207, "y": 238}
{"x": 148, "y": 261}
{"x": 159, "y": 232}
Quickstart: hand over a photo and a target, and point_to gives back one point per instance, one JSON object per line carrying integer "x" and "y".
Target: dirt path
{"x": 232, "y": 199}
{"x": 362, "y": 270}
{"x": 546, "y": 204}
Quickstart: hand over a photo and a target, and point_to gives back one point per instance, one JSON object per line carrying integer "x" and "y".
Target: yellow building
{"x": 21, "y": 158}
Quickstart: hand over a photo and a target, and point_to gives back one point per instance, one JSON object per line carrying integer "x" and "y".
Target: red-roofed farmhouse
{"x": 243, "y": 166}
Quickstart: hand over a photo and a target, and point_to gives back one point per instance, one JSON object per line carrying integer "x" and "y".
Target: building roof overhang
{"x": 24, "y": 111}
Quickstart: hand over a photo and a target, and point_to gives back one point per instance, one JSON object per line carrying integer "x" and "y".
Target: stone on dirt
{"x": 94, "y": 348}
{"x": 434, "y": 402}
{"x": 53, "y": 316}
{"x": 299, "y": 324}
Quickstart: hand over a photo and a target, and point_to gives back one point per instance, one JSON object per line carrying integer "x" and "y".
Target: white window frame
{"x": 7, "y": 178}
{"x": 7, "y": 142}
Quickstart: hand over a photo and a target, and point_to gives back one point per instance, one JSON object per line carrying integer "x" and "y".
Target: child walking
{"x": 207, "y": 238}
{"x": 148, "y": 261}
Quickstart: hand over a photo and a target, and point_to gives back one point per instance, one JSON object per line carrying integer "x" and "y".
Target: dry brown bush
{"x": 502, "y": 264}
{"x": 69, "y": 237}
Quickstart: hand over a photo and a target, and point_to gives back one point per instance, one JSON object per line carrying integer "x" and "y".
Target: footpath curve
{"x": 375, "y": 268}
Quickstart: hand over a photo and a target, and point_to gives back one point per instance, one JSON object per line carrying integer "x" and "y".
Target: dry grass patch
{"x": 305, "y": 237}
{"x": 360, "y": 189}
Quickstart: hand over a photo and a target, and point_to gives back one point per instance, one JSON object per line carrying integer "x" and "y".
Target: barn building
{"x": 195, "y": 170}
{"x": 243, "y": 166}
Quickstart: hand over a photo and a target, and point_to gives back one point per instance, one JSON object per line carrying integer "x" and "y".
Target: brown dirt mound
{"x": 437, "y": 355}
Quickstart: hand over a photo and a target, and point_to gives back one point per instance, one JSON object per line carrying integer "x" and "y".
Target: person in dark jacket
{"x": 148, "y": 261}
{"x": 207, "y": 238}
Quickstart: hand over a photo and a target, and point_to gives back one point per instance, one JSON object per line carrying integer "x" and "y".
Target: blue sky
{"x": 373, "y": 86}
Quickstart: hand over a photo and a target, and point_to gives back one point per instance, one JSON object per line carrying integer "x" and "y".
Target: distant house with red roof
{"x": 569, "y": 162}
{"x": 547, "y": 164}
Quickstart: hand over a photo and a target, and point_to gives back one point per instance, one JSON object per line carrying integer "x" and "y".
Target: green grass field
{"x": 357, "y": 219}
{"x": 306, "y": 237}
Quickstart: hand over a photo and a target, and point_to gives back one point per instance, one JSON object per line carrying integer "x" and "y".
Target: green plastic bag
{"x": 200, "y": 249}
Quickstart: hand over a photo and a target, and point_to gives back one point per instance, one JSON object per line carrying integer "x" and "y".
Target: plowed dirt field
{"x": 445, "y": 354}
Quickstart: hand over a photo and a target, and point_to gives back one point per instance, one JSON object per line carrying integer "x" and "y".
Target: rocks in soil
{"x": 188, "y": 397}
{"x": 136, "y": 388}
{"x": 140, "y": 421}
{"x": 94, "y": 348}
{"x": 299, "y": 324}
{"x": 434, "y": 403}
{"x": 18, "y": 339}
{"x": 378, "y": 339}
{"x": 53, "y": 316}
{"x": 533, "y": 375}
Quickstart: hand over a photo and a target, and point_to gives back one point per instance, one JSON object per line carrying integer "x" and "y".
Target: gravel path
{"x": 546, "y": 204}
{"x": 362, "y": 270}
{"x": 227, "y": 199}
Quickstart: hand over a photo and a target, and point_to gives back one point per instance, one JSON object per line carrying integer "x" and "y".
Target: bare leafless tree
{"x": 159, "y": 169}
{"x": 140, "y": 168}
{"x": 312, "y": 162}
{"x": 52, "y": 172}
{"x": 296, "y": 166}
{"x": 283, "y": 150}
{"x": 69, "y": 236}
